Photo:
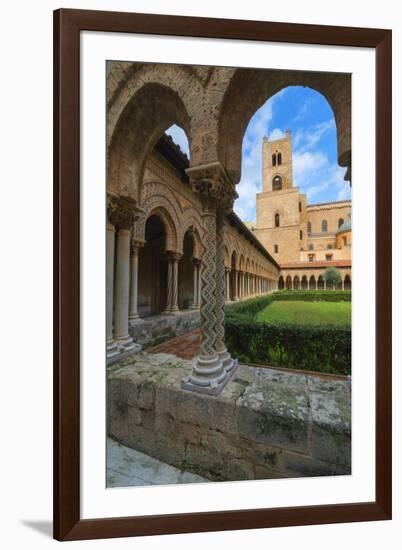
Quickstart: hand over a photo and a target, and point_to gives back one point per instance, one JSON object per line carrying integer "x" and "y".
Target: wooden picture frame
{"x": 67, "y": 27}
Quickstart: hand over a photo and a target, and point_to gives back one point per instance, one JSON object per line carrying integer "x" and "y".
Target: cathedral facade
{"x": 303, "y": 238}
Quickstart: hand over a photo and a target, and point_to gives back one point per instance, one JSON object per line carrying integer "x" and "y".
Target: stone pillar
{"x": 111, "y": 347}
{"x": 196, "y": 267}
{"x": 325, "y": 284}
{"x": 123, "y": 339}
{"x": 227, "y": 275}
{"x": 199, "y": 285}
{"x": 234, "y": 279}
{"x": 122, "y": 213}
{"x": 214, "y": 366}
{"x": 172, "y": 282}
{"x": 133, "y": 310}
{"x": 343, "y": 284}
{"x": 228, "y": 363}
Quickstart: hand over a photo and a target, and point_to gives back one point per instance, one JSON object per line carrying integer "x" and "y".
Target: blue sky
{"x": 308, "y": 116}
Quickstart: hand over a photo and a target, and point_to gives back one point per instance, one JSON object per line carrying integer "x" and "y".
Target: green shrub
{"x": 324, "y": 348}
{"x": 314, "y": 295}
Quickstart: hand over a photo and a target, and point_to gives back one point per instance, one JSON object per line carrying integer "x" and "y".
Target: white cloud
{"x": 276, "y": 133}
{"x": 308, "y": 139}
{"x": 307, "y": 163}
{"x": 179, "y": 137}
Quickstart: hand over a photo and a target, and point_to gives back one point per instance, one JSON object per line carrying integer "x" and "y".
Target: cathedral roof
{"x": 346, "y": 226}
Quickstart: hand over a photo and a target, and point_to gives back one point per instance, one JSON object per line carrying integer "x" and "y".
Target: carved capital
{"x": 135, "y": 246}
{"x": 196, "y": 262}
{"x": 213, "y": 184}
{"x": 122, "y": 211}
{"x": 173, "y": 256}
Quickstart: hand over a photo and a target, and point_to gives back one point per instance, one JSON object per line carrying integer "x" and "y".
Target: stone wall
{"x": 266, "y": 423}
{"x": 154, "y": 330}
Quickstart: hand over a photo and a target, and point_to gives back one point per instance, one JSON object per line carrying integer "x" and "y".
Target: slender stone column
{"x": 227, "y": 274}
{"x": 172, "y": 282}
{"x": 175, "y": 281}
{"x": 196, "y": 267}
{"x": 111, "y": 347}
{"x": 169, "y": 287}
{"x": 212, "y": 366}
{"x": 325, "y": 284}
{"x": 123, "y": 339}
{"x": 122, "y": 213}
{"x": 343, "y": 284}
{"x": 133, "y": 310}
{"x": 199, "y": 285}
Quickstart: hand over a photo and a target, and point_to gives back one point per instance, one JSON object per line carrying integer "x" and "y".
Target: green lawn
{"x": 306, "y": 313}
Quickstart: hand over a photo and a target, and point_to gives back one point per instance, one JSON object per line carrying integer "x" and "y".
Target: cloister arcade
{"x": 313, "y": 281}
{"x": 167, "y": 224}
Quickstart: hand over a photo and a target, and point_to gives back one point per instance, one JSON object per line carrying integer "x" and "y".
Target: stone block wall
{"x": 266, "y": 423}
{"x": 153, "y": 330}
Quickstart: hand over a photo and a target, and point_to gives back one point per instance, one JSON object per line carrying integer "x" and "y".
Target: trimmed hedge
{"x": 325, "y": 348}
{"x": 314, "y": 295}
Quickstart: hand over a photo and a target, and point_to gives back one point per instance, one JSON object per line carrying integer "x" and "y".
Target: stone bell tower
{"x": 277, "y": 163}
{"x": 281, "y": 209}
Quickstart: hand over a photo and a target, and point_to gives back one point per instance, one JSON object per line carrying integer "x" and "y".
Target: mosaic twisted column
{"x": 174, "y": 260}
{"x": 209, "y": 373}
{"x": 227, "y": 362}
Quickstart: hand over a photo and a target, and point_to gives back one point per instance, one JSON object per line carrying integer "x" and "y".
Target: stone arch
{"x": 288, "y": 282}
{"x": 158, "y": 197}
{"x": 191, "y": 219}
{"x": 249, "y": 89}
{"x": 241, "y": 263}
{"x": 304, "y": 284}
{"x": 146, "y": 115}
{"x": 165, "y": 217}
{"x": 347, "y": 282}
{"x": 312, "y": 283}
{"x": 296, "y": 282}
{"x": 281, "y": 283}
{"x": 320, "y": 283}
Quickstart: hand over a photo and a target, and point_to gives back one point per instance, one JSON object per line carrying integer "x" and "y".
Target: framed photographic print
{"x": 222, "y": 230}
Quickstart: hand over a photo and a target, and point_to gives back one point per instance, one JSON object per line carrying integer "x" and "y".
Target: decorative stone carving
{"x": 122, "y": 212}
{"x": 217, "y": 193}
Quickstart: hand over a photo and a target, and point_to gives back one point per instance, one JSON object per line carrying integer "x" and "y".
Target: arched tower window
{"x": 279, "y": 158}
{"x": 274, "y": 160}
{"x": 309, "y": 228}
{"x": 277, "y": 220}
{"x": 277, "y": 183}
{"x": 340, "y": 222}
{"x": 324, "y": 226}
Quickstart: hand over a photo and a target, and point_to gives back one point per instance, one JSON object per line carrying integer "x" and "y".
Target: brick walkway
{"x": 185, "y": 346}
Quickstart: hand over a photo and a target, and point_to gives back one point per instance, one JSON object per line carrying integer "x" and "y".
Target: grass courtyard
{"x": 305, "y": 330}
{"x": 306, "y": 313}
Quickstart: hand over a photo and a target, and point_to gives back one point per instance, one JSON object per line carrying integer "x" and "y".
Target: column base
{"x": 209, "y": 376}
{"x": 228, "y": 362}
{"x": 126, "y": 344}
{"x": 111, "y": 349}
{"x": 133, "y": 317}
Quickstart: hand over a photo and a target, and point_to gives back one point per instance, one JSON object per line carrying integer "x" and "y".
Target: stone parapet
{"x": 153, "y": 330}
{"x": 265, "y": 424}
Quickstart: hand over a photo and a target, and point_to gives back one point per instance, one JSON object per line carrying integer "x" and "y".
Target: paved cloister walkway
{"x": 185, "y": 346}
{"x": 128, "y": 468}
